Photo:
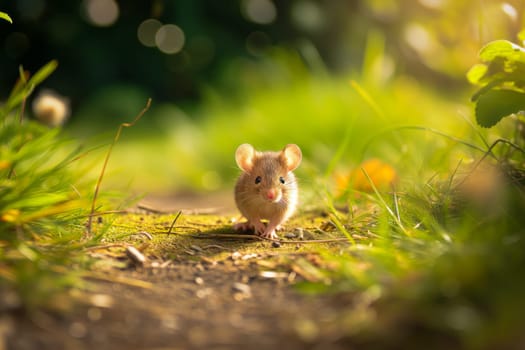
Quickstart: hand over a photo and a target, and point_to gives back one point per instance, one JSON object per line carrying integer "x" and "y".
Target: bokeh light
{"x": 510, "y": 11}
{"x": 170, "y": 39}
{"x": 418, "y": 38}
{"x": 259, "y": 11}
{"x": 308, "y": 16}
{"x": 147, "y": 30}
{"x": 102, "y": 13}
{"x": 433, "y": 4}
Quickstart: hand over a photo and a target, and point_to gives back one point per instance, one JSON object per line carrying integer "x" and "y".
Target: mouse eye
{"x": 258, "y": 180}
{"x": 281, "y": 180}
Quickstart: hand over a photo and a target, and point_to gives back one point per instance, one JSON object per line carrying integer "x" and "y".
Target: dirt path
{"x": 188, "y": 305}
{"x": 191, "y": 294}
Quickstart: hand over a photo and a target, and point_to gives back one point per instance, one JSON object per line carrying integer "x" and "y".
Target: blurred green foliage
{"x": 432, "y": 41}
{"x": 219, "y": 85}
{"x": 283, "y": 101}
{"x": 347, "y": 81}
{"x": 502, "y": 80}
{"x": 43, "y": 202}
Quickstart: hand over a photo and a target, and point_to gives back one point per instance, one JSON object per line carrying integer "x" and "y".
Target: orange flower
{"x": 4, "y": 164}
{"x": 10, "y": 215}
{"x": 382, "y": 175}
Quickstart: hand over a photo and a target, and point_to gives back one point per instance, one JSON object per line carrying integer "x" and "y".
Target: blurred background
{"x": 261, "y": 71}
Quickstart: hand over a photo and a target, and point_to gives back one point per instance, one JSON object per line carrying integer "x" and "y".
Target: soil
{"x": 217, "y": 293}
{"x": 189, "y": 306}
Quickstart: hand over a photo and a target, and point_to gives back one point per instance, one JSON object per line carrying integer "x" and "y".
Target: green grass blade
{"x": 5, "y": 16}
{"x": 43, "y": 73}
{"x": 368, "y": 99}
{"x": 384, "y": 203}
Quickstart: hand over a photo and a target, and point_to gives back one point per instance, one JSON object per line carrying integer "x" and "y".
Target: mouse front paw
{"x": 243, "y": 226}
{"x": 269, "y": 234}
{"x": 257, "y": 227}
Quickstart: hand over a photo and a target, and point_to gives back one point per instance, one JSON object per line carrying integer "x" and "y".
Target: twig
{"x": 174, "y": 221}
{"x": 97, "y": 187}
{"x": 223, "y": 235}
{"x": 308, "y": 241}
{"x": 259, "y": 238}
{"x": 490, "y": 153}
{"x": 149, "y": 209}
{"x": 107, "y": 212}
{"x": 217, "y": 246}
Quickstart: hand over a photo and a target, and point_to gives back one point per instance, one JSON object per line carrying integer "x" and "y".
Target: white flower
{"x": 51, "y": 108}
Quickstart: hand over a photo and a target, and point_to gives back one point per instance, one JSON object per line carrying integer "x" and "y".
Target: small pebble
{"x": 165, "y": 264}
{"x": 102, "y": 300}
{"x": 289, "y": 235}
{"x": 249, "y": 256}
{"x": 196, "y": 248}
{"x": 236, "y": 255}
{"x": 199, "y": 281}
{"x": 135, "y": 256}
{"x": 203, "y": 293}
{"x": 276, "y": 244}
{"x": 273, "y": 274}
{"x": 77, "y": 330}
{"x": 242, "y": 288}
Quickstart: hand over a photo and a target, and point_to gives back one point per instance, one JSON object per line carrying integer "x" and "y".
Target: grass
{"x": 442, "y": 251}
{"x": 429, "y": 253}
{"x": 193, "y": 147}
{"x": 44, "y": 200}
{"x": 439, "y": 251}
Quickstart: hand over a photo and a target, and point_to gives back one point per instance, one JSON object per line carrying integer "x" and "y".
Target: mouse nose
{"x": 271, "y": 195}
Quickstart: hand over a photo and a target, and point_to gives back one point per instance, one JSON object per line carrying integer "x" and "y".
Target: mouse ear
{"x": 291, "y": 155}
{"x": 244, "y": 157}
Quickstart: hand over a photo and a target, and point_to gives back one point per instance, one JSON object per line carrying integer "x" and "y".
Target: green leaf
{"x": 504, "y": 49}
{"x": 476, "y": 73}
{"x": 494, "y": 105}
{"x": 5, "y": 16}
{"x": 43, "y": 73}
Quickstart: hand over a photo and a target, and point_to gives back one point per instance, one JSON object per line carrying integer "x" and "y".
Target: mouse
{"x": 266, "y": 190}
